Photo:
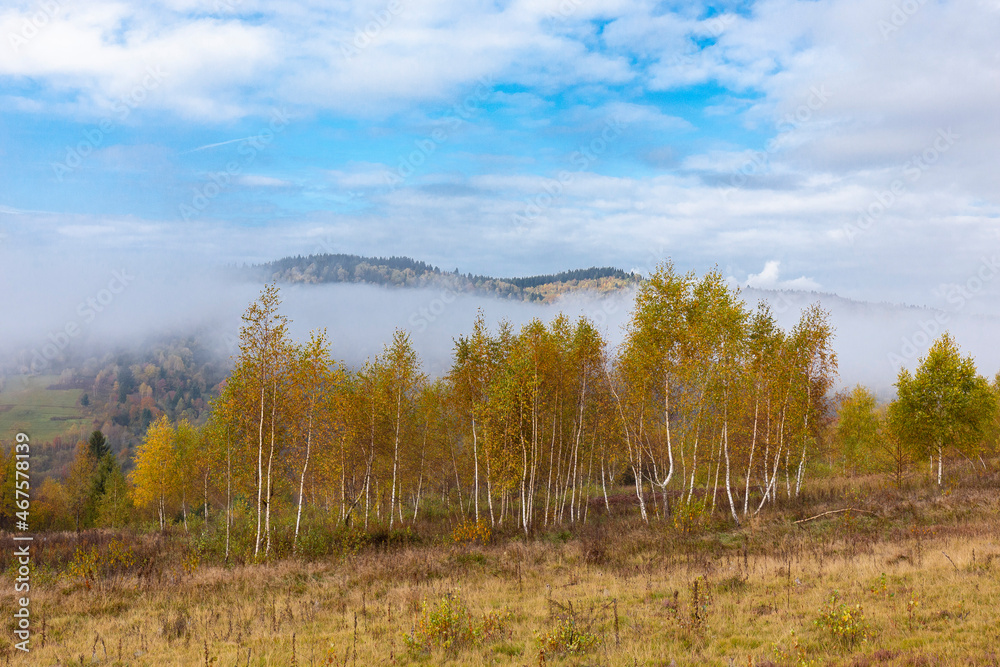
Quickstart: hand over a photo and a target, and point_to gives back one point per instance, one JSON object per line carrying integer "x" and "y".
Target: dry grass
{"x": 924, "y": 567}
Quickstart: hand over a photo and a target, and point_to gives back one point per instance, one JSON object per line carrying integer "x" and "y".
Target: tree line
{"x": 945, "y": 408}
{"x": 705, "y": 404}
{"x": 404, "y": 271}
{"x": 706, "y": 408}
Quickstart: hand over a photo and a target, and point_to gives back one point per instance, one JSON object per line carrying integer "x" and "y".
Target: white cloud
{"x": 849, "y": 108}
{"x": 883, "y": 97}
{"x": 356, "y": 58}
{"x": 769, "y": 278}
{"x": 103, "y": 53}
{"x": 84, "y": 231}
{"x": 259, "y": 181}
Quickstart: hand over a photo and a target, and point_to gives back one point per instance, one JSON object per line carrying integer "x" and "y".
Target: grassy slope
{"x": 26, "y": 404}
{"x": 761, "y": 589}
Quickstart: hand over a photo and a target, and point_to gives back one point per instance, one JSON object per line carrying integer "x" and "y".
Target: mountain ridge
{"x": 402, "y": 271}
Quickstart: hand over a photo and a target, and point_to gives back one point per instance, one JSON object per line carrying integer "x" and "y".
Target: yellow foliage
{"x": 154, "y": 465}
{"x": 471, "y": 531}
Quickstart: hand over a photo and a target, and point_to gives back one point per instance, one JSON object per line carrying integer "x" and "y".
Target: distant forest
{"x": 407, "y": 272}
{"x": 124, "y": 391}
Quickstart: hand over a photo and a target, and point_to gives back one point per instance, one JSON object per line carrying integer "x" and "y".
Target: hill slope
{"x": 407, "y": 272}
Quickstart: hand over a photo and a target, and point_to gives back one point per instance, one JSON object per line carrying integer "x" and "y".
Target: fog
{"x": 74, "y": 307}
{"x": 873, "y": 341}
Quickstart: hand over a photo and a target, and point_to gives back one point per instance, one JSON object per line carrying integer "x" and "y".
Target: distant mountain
{"x": 407, "y": 272}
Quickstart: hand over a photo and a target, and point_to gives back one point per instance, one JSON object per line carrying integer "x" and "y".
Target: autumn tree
{"x": 649, "y": 375}
{"x": 261, "y": 362}
{"x": 154, "y": 475}
{"x": 8, "y": 506}
{"x": 944, "y": 405}
{"x": 403, "y": 380}
{"x": 858, "y": 432}
{"x": 815, "y": 365}
{"x": 314, "y": 384}
{"x": 764, "y": 343}
{"x": 51, "y": 508}
{"x": 188, "y": 464}
{"x": 114, "y": 504}
{"x": 470, "y": 376}
{"x": 80, "y": 486}
{"x": 227, "y": 428}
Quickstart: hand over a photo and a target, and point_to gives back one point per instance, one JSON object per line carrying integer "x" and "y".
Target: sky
{"x": 842, "y": 146}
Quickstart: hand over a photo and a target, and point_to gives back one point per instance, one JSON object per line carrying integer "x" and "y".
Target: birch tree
{"x": 403, "y": 380}
{"x": 154, "y": 475}
{"x": 944, "y": 405}
{"x": 263, "y": 348}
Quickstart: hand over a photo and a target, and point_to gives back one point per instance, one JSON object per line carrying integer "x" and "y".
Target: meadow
{"x": 29, "y": 403}
{"x": 907, "y": 576}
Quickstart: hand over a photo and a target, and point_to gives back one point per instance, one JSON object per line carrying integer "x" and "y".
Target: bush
{"x": 471, "y": 532}
{"x": 567, "y": 638}
{"x": 846, "y": 624}
{"x": 449, "y": 624}
{"x": 572, "y": 633}
{"x": 690, "y": 517}
{"x": 103, "y": 567}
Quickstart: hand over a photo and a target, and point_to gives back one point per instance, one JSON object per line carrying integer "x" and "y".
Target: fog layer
{"x": 81, "y": 306}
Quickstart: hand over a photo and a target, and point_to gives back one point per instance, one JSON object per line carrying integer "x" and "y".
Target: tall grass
{"x": 908, "y": 577}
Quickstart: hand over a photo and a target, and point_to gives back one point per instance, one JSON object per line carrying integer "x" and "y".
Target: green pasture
{"x": 27, "y": 404}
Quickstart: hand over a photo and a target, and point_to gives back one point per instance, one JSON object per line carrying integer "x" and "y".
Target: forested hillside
{"x": 121, "y": 393}
{"x": 406, "y": 272}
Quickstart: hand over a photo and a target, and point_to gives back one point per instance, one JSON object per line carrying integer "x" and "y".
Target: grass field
{"x": 27, "y": 404}
{"x": 908, "y": 578}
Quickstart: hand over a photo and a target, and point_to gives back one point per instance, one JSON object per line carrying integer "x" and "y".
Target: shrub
{"x": 846, "y": 624}
{"x": 690, "y": 517}
{"x": 102, "y": 567}
{"x": 567, "y": 637}
{"x": 471, "y": 531}
{"x": 572, "y": 633}
{"x": 449, "y": 624}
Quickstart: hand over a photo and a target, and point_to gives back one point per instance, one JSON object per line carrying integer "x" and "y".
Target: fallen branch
{"x": 849, "y": 509}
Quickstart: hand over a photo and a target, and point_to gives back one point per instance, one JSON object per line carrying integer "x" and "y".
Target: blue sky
{"x": 842, "y": 145}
